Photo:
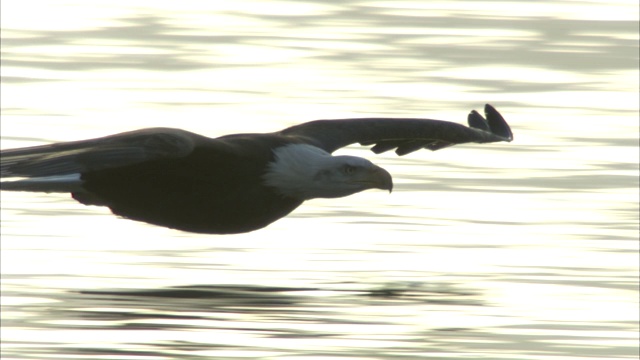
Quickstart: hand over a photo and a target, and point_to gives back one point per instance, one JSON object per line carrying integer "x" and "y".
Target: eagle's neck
{"x": 293, "y": 172}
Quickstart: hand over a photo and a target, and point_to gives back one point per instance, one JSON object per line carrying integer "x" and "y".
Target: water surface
{"x": 526, "y": 250}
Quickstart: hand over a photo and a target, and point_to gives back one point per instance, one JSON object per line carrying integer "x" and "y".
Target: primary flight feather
{"x": 235, "y": 183}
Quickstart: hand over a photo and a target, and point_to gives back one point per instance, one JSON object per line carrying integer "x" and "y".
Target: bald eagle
{"x": 235, "y": 183}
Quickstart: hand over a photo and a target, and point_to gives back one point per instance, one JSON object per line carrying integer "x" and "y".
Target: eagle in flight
{"x": 234, "y": 183}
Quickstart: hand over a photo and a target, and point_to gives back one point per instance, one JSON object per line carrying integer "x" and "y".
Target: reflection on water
{"x": 231, "y": 317}
{"x": 209, "y": 321}
{"x": 525, "y": 250}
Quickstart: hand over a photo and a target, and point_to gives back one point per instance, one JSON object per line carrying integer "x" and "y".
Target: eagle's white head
{"x": 306, "y": 172}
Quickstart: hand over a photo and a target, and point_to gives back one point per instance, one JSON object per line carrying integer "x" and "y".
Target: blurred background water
{"x": 526, "y": 250}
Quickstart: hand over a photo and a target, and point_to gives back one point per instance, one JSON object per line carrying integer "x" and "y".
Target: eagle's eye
{"x": 348, "y": 169}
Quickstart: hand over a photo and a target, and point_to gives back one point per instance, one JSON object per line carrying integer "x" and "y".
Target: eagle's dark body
{"x": 226, "y": 196}
{"x": 186, "y": 181}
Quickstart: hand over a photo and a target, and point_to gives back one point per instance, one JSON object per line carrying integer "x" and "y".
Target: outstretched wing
{"x": 404, "y": 135}
{"x": 96, "y": 154}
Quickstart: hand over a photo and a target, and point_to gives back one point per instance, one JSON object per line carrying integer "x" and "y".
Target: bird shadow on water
{"x": 175, "y": 302}
{"x": 182, "y": 320}
{"x": 266, "y": 297}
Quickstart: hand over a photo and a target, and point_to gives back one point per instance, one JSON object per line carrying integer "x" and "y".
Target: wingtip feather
{"x": 477, "y": 121}
{"x": 497, "y": 124}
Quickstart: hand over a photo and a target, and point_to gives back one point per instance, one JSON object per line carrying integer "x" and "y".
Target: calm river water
{"x": 522, "y": 250}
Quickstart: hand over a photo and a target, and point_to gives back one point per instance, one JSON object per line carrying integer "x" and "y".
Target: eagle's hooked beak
{"x": 380, "y": 178}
